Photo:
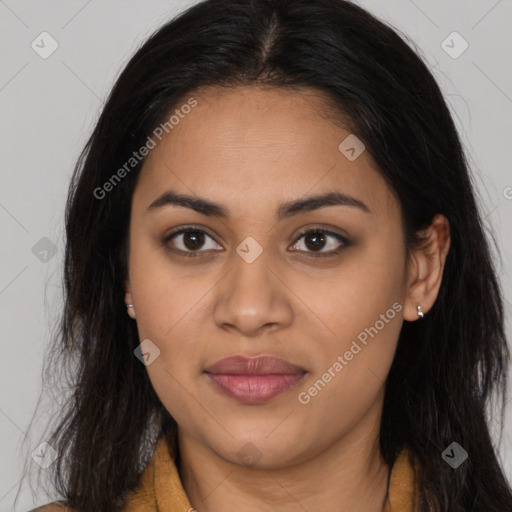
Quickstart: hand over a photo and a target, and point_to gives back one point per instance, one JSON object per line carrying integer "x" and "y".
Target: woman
{"x": 278, "y": 288}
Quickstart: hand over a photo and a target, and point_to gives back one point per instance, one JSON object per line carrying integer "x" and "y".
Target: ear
{"x": 128, "y": 299}
{"x": 425, "y": 268}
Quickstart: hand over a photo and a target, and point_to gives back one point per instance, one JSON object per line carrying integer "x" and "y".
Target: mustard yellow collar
{"x": 160, "y": 488}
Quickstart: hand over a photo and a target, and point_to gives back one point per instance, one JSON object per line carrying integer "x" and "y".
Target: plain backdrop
{"x": 49, "y": 106}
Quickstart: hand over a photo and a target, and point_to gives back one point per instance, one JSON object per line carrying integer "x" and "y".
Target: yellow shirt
{"x": 160, "y": 488}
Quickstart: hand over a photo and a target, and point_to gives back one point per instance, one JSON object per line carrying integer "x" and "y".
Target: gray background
{"x": 49, "y": 106}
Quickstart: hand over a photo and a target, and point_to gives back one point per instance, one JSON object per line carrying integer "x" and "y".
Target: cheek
{"x": 355, "y": 294}
{"x": 169, "y": 314}
{"x": 175, "y": 390}
{"x": 164, "y": 294}
{"x": 352, "y": 364}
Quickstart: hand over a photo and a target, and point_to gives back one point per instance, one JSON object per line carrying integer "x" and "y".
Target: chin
{"x": 257, "y": 449}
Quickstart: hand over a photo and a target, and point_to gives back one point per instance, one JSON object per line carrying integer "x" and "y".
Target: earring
{"x": 420, "y": 312}
{"x": 130, "y": 310}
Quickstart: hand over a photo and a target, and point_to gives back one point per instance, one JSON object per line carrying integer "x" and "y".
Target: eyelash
{"x": 193, "y": 254}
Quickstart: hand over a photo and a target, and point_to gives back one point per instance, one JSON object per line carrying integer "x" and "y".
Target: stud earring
{"x": 130, "y": 310}
{"x": 420, "y": 312}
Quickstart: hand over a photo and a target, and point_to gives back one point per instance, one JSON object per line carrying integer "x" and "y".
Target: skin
{"x": 250, "y": 150}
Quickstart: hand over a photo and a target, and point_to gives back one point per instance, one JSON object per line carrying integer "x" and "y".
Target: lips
{"x": 254, "y": 379}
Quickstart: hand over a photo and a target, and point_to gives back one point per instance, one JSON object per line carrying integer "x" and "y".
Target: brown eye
{"x": 193, "y": 239}
{"x": 189, "y": 241}
{"x": 316, "y": 240}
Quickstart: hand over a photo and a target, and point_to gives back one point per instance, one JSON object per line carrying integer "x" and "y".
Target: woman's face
{"x": 244, "y": 282}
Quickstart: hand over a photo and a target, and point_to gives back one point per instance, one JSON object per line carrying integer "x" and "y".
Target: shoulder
{"x": 56, "y": 506}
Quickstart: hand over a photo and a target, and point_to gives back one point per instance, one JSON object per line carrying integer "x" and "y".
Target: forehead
{"x": 246, "y": 146}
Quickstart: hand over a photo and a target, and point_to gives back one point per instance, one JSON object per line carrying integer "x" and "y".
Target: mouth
{"x": 253, "y": 380}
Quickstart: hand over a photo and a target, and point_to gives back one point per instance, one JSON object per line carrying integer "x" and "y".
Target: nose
{"x": 253, "y": 298}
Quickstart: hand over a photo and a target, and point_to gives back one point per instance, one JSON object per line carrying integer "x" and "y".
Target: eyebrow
{"x": 285, "y": 210}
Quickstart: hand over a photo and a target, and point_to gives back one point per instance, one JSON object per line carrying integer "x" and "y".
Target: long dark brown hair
{"x": 447, "y": 368}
